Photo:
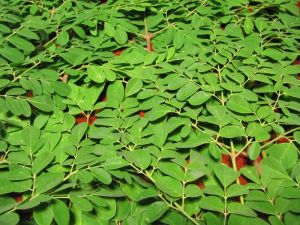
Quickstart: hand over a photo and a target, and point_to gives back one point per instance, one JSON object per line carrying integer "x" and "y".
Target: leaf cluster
{"x": 149, "y": 112}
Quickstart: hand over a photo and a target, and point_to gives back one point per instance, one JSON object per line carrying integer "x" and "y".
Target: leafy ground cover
{"x": 149, "y": 112}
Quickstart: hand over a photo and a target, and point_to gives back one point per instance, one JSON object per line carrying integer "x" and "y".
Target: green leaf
{"x": 195, "y": 140}
{"x": 171, "y": 53}
{"x": 60, "y": 212}
{"x": 9, "y": 219}
{"x": 115, "y": 163}
{"x": 136, "y": 192}
{"x": 196, "y": 168}
{"x": 238, "y": 104}
{"x": 262, "y": 206}
{"x": 248, "y": 25}
{"x": 240, "y": 209}
{"x": 6, "y": 203}
{"x": 185, "y": 131}
{"x": 225, "y": 174}
{"x": 211, "y": 219}
{"x": 75, "y": 56}
{"x": 293, "y": 91}
{"x": 192, "y": 191}
{"x": 139, "y": 157}
{"x": 109, "y": 211}
{"x": 115, "y": 94}
{"x": 234, "y": 30}
{"x": 89, "y": 218}
{"x": 40, "y": 121}
{"x": 61, "y": 88}
{"x": 220, "y": 117}
{"x": 271, "y": 167}
{"x": 77, "y": 215}
{"x": 179, "y": 39}
{"x": 62, "y": 38}
{"x": 109, "y": 29}
{"x": 4, "y": 83}
{"x": 275, "y": 220}
{"x": 30, "y": 137}
{"x": 212, "y": 203}
{"x": 43, "y": 215}
{"x": 169, "y": 186}
{"x": 264, "y": 111}
{"x": 176, "y": 83}
{"x": 13, "y": 105}
{"x": 254, "y": 150}
{"x": 84, "y": 176}
{"x": 120, "y": 36}
{"x": 4, "y": 29}
{"x": 160, "y": 137}
{"x": 102, "y": 175}
{"x": 10, "y": 186}
{"x": 19, "y": 157}
{"x": 245, "y": 220}
{"x": 258, "y": 131}
{"x": 219, "y": 59}
{"x": 24, "y": 107}
{"x": 109, "y": 74}
{"x": 44, "y": 103}
{"x": 292, "y": 69}
{"x": 214, "y": 150}
{"x": 274, "y": 54}
{"x": 21, "y": 43}
{"x": 17, "y": 173}
{"x": 291, "y": 219}
{"x": 158, "y": 111}
{"x": 199, "y": 98}
{"x": 214, "y": 190}
{"x": 154, "y": 211}
{"x": 96, "y": 73}
{"x": 41, "y": 161}
{"x": 133, "y": 86}
{"x": 236, "y": 190}
{"x": 29, "y": 34}
{"x": 186, "y": 91}
{"x": 47, "y": 181}
{"x": 261, "y": 24}
{"x": 12, "y": 54}
{"x": 297, "y": 136}
{"x": 82, "y": 203}
{"x": 285, "y": 153}
{"x": 174, "y": 218}
{"x": 232, "y": 131}
{"x": 171, "y": 169}
{"x": 78, "y": 132}
{"x": 79, "y": 31}
{"x": 154, "y": 20}
{"x": 284, "y": 205}
{"x": 251, "y": 173}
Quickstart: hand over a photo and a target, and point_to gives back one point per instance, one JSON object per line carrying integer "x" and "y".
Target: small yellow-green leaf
{"x": 248, "y": 25}
{"x": 62, "y": 38}
{"x": 254, "y": 151}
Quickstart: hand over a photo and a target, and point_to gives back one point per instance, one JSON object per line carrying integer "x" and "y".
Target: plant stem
{"x": 225, "y": 207}
{"x": 147, "y": 36}
{"x": 30, "y": 68}
{"x": 180, "y": 209}
{"x": 233, "y": 161}
{"x": 243, "y": 149}
{"x": 280, "y": 136}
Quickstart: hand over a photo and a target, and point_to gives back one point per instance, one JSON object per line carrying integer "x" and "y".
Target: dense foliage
{"x": 140, "y": 112}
